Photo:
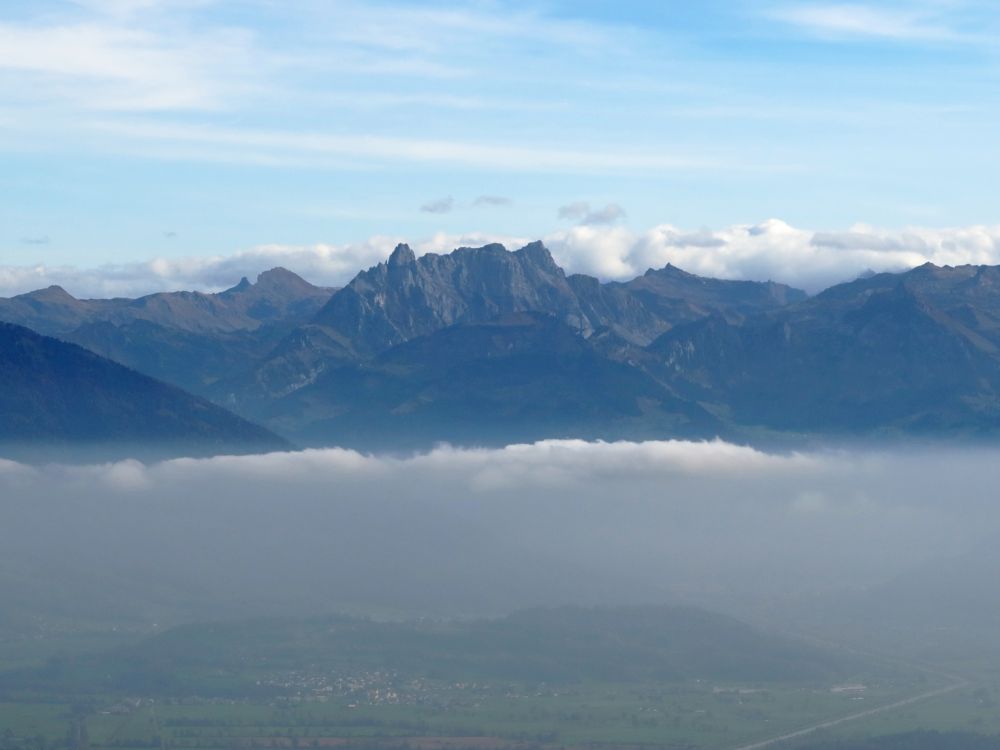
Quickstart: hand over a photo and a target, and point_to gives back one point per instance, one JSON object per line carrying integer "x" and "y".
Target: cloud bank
{"x": 771, "y": 250}
{"x": 465, "y": 531}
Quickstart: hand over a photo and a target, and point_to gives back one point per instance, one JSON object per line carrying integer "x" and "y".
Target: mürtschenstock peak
{"x": 349, "y": 372}
{"x": 409, "y": 296}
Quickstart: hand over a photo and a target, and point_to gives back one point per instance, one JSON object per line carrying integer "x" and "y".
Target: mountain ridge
{"x": 189, "y": 339}
{"x": 408, "y": 351}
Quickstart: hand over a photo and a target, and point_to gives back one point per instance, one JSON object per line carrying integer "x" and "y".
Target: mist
{"x": 462, "y": 532}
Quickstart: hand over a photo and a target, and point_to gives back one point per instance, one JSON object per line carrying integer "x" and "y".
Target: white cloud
{"x": 519, "y": 465}
{"x": 605, "y": 252}
{"x": 771, "y": 250}
{"x": 864, "y": 20}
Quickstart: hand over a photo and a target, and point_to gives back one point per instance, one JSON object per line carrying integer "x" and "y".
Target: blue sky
{"x": 139, "y": 129}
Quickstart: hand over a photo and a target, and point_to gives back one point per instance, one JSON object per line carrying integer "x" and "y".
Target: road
{"x": 854, "y": 717}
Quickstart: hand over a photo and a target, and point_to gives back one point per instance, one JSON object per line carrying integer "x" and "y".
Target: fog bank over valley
{"x": 459, "y": 531}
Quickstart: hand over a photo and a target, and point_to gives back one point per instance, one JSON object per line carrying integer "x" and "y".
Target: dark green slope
{"x": 58, "y": 393}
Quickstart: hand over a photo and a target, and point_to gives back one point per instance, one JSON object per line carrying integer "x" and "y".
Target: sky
{"x": 143, "y": 140}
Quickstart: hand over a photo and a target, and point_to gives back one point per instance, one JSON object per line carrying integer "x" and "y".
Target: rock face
{"x": 914, "y": 352}
{"x": 58, "y": 393}
{"x": 409, "y": 297}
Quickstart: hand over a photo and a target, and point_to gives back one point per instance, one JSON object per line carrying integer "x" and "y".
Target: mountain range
{"x": 189, "y": 339}
{"x": 484, "y": 345}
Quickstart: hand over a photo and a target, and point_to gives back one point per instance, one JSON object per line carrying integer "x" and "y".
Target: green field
{"x": 975, "y": 708}
{"x": 661, "y": 715}
{"x": 650, "y": 678}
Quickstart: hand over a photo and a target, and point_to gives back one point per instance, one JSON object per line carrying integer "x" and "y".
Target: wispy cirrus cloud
{"x": 282, "y": 147}
{"x": 157, "y": 55}
{"x": 917, "y": 22}
{"x": 100, "y": 65}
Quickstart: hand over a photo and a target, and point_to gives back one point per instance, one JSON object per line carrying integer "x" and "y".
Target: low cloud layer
{"x": 772, "y": 250}
{"x": 462, "y": 531}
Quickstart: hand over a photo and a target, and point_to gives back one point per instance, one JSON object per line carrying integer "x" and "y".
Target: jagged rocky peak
{"x": 534, "y": 251}
{"x": 538, "y": 253}
{"x": 241, "y": 287}
{"x": 407, "y": 296}
{"x": 402, "y": 255}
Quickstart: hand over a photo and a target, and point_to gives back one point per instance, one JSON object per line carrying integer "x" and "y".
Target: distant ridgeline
{"x": 487, "y": 346}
